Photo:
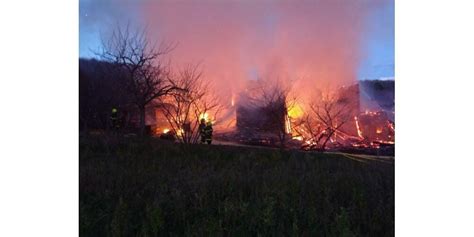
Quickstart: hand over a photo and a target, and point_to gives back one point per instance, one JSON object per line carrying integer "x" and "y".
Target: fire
{"x": 166, "y": 130}
{"x": 295, "y": 111}
{"x": 299, "y": 138}
{"x": 287, "y": 124}
{"x": 204, "y": 116}
{"x": 378, "y": 130}
{"x": 359, "y": 132}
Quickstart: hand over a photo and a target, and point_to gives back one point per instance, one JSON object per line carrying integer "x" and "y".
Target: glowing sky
{"x": 321, "y": 40}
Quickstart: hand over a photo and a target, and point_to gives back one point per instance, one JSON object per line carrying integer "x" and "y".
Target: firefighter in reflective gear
{"x": 202, "y": 129}
{"x": 208, "y": 132}
{"x": 114, "y": 118}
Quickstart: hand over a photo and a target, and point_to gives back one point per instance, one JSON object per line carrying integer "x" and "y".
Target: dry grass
{"x": 146, "y": 187}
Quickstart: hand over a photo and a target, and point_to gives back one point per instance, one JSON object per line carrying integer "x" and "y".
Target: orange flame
{"x": 287, "y": 124}
{"x": 295, "y": 111}
{"x": 204, "y": 116}
{"x": 359, "y": 132}
{"x": 299, "y": 138}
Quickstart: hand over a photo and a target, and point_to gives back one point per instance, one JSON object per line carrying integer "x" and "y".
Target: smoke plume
{"x": 308, "y": 44}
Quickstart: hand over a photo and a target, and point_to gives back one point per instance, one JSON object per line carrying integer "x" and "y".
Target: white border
{"x": 434, "y": 119}
{"x": 39, "y": 118}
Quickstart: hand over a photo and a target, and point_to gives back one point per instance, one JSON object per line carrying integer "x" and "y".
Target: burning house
{"x": 261, "y": 121}
{"x": 377, "y": 95}
{"x": 260, "y": 114}
{"x": 373, "y": 106}
{"x": 377, "y": 103}
{"x": 361, "y": 114}
{"x": 252, "y": 117}
{"x": 376, "y": 126}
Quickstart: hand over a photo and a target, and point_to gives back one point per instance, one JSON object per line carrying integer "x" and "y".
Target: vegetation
{"x": 146, "y": 76}
{"x": 148, "y": 187}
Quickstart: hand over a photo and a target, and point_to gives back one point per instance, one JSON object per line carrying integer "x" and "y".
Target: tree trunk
{"x": 142, "y": 120}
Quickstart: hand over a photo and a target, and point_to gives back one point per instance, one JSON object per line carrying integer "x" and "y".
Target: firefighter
{"x": 114, "y": 118}
{"x": 208, "y": 132}
{"x": 202, "y": 130}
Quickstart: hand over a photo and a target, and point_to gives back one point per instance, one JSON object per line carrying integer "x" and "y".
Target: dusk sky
{"x": 331, "y": 40}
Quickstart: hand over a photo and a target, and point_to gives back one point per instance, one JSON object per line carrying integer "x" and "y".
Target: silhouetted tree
{"x": 185, "y": 107}
{"x": 272, "y": 97}
{"x": 145, "y": 75}
{"x": 332, "y": 111}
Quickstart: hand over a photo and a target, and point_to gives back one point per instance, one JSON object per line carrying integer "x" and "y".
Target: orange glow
{"x": 287, "y": 44}
{"x": 295, "y": 111}
{"x": 299, "y": 138}
{"x": 166, "y": 130}
{"x": 180, "y": 132}
{"x": 204, "y": 116}
{"x": 378, "y": 130}
{"x": 287, "y": 124}
{"x": 359, "y": 132}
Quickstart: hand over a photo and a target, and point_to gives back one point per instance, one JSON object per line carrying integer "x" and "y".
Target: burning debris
{"x": 333, "y": 123}
{"x": 359, "y": 132}
{"x": 376, "y": 126}
{"x": 266, "y": 115}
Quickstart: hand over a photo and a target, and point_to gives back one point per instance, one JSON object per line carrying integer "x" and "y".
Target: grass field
{"x": 147, "y": 187}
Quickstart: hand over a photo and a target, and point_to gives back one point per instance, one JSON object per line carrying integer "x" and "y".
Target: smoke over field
{"x": 307, "y": 44}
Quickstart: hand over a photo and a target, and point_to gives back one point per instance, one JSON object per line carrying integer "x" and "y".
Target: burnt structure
{"x": 265, "y": 118}
{"x": 377, "y": 95}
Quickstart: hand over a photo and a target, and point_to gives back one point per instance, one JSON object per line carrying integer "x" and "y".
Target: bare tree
{"x": 185, "y": 107}
{"x": 145, "y": 74}
{"x": 308, "y": 128}
{"x": 273, "y": 99}
{"x": 276, "y": 109}
{"x": 332, "y": 111}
